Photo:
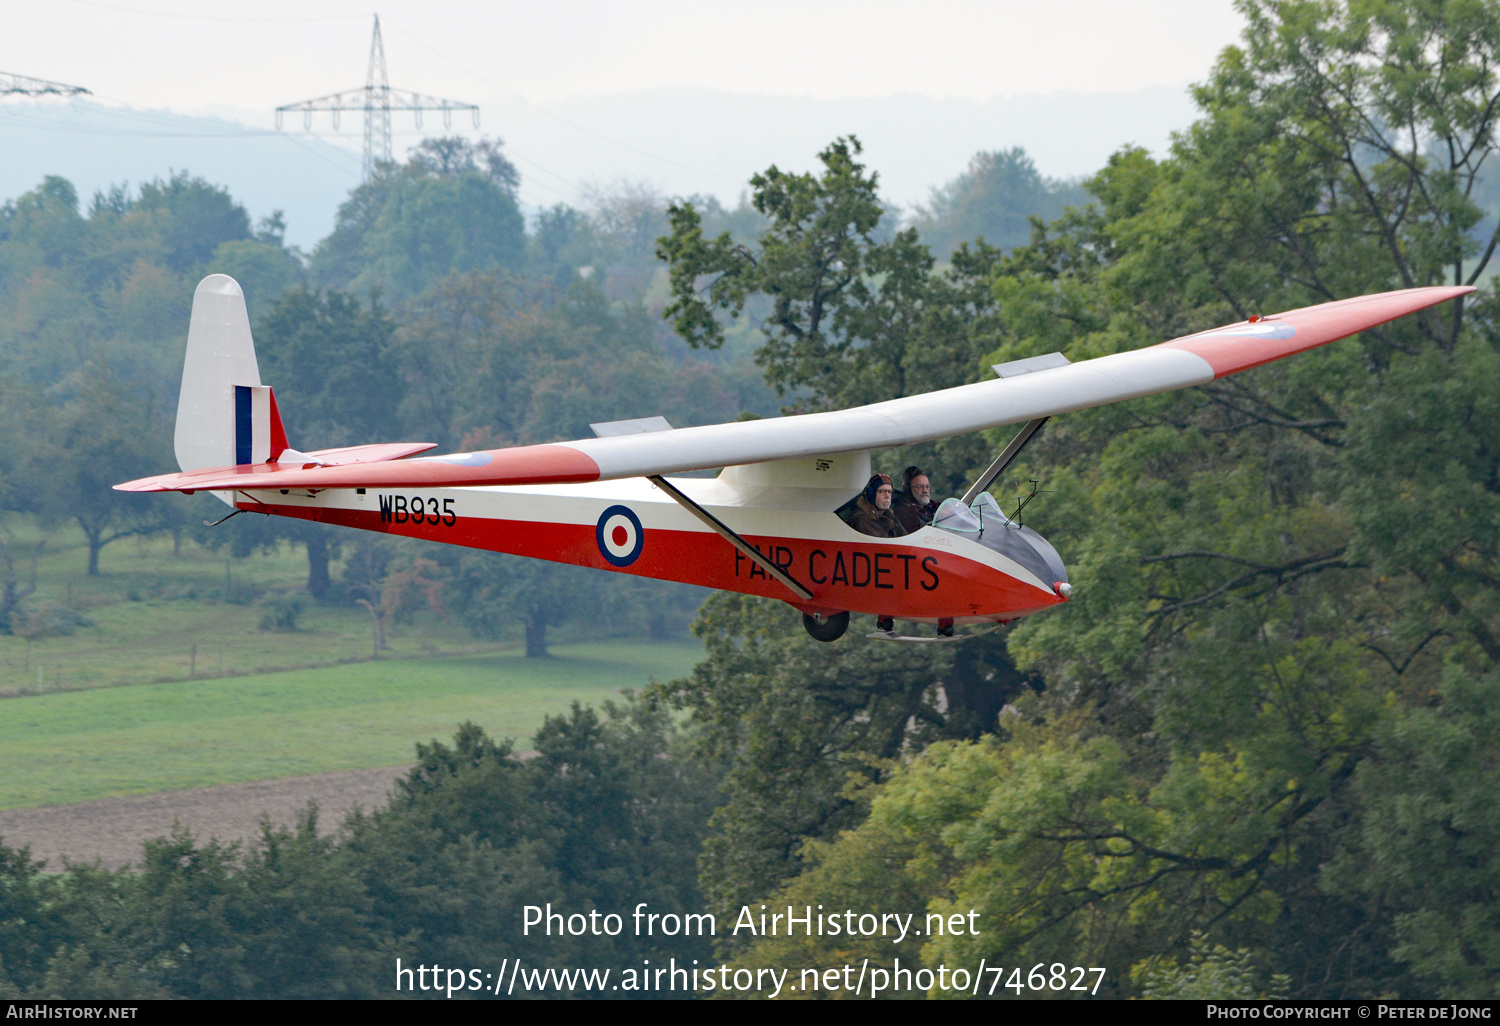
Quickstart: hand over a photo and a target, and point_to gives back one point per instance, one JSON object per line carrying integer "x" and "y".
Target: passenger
{"x": 872, "y": 510}
{"x": 913, "y": 505}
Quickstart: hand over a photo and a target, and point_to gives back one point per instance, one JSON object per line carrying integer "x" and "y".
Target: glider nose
{"x": 1038, "y": 556}
{"x": 984, "y": 523}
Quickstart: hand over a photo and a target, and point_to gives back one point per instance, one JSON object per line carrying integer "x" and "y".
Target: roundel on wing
{"x": 620, "y": 536}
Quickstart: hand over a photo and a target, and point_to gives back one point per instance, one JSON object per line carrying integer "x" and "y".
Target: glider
{"x": 766, "y": 525}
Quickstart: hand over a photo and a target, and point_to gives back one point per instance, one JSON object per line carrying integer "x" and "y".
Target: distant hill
{"x": 95, "y": 146}
{"x": 698, "y": 140}
{"x": 681, "y": 141}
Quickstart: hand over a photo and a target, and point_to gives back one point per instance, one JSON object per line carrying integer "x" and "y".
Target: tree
{"x": 995, "y": 199}
{"x": 264, "y": 269}
{"x": 400, "y": 594}
{"x": 491, "y": 590}
{"x": 802, "y": 726}
{"x": 114, "y": 287}
{"x": 107, "y": 435}
{"x": 1429, "y": 836}
{"x": 451, "y": 207}
{"x": 855, "y": 316}
{"x": 606, "y": 814}
{"x": 328, "y": 355}
{"x": 560, "y": 244}
{"x": 30, "y": 927}
{"x": 194, "y": 218}
{"x": 1321, "y": 530}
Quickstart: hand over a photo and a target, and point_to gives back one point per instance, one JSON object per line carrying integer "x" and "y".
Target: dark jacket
{"x": 876, "y": 523}
{"x": 911, "y": 514}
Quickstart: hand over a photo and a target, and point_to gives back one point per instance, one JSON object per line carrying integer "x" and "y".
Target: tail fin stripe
{"x": 244, "y": 425}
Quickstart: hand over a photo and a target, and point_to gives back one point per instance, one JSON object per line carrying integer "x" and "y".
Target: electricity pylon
{"x": 25, "y": 85}
{"x": 377, "y": 99}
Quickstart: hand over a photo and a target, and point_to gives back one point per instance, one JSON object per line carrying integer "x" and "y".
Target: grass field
{"x": 157, "y": 615}
{"x": 105, "y": 742}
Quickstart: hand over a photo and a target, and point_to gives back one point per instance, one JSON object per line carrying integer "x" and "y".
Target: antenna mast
{"x": 377, "y": 99}
{"x": 25, "y": 85}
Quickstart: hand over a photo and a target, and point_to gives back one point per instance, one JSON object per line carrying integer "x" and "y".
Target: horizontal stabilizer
{"x": 272, "y": 475}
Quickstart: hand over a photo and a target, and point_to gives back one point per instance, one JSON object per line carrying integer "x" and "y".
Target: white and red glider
{"x": 766, "y": 525}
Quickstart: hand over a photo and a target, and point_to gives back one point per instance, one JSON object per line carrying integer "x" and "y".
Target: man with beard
{"x": 913, "y": 505}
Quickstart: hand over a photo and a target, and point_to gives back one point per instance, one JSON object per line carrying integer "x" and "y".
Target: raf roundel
{"x": 620, "y": 536}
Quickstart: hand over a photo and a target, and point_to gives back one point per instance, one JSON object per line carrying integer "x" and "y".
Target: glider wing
{"x": 1193, "y": 360}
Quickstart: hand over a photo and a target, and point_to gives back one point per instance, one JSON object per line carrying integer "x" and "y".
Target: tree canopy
{"x": 996, "y": 199}
{"x": 1281, "y": 579}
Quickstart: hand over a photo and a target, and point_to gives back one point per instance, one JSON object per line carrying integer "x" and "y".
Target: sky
{"x": 184, "y": 55}
{"x": 684, "y": 95}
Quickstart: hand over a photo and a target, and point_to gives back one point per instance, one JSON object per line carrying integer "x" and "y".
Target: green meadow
{"x": 173, "y": 681}
{"x": 102, "y": 742}
{"x": 158, "y": 613}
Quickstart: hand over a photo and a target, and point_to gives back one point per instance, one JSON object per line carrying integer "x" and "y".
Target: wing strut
{"x": 1002, "y": 461}
{"x": 750, "y": 551}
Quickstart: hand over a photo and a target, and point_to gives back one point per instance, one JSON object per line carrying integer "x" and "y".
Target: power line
{"x": 215, "y": 18}
{"x": 377, "y": 99}
{"x": 154, "y": 125}
{"x": 25, "y": 85}
{"x": 558, "y": 117}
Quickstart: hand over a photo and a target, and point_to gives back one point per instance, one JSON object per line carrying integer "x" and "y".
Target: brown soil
{"x": 110, "y": 830}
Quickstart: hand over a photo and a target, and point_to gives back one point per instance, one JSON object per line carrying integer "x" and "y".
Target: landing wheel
{"x": 825, "y": 628}
{"x": 885, "y": 624}
{"x": 945, "y": 628}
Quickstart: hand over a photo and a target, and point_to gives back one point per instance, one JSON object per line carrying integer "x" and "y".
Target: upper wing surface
{"x": 1193, "y": 360}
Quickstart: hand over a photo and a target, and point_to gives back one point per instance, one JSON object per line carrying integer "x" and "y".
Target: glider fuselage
{"x": 633, "y": 527}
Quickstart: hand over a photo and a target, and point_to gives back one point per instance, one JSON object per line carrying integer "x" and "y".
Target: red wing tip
{"x": 1434, "y": 294}
{"x": 1439, "y": 293}
{"x": 1238, "y": 347}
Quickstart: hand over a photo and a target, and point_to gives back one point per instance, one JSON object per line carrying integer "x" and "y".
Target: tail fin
{"x": 224, "y": 414}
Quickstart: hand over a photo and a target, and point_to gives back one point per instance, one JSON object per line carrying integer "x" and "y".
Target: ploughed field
{"x": 110, "y": 831}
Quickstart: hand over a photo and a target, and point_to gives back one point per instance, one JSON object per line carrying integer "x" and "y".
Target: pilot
{"x": 913, "y": 505}
{"x": 872, "y": 510}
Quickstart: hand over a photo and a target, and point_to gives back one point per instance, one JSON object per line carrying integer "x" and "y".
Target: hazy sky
{"x": 187, "y": 56}
{"x": 686, "y": 96}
